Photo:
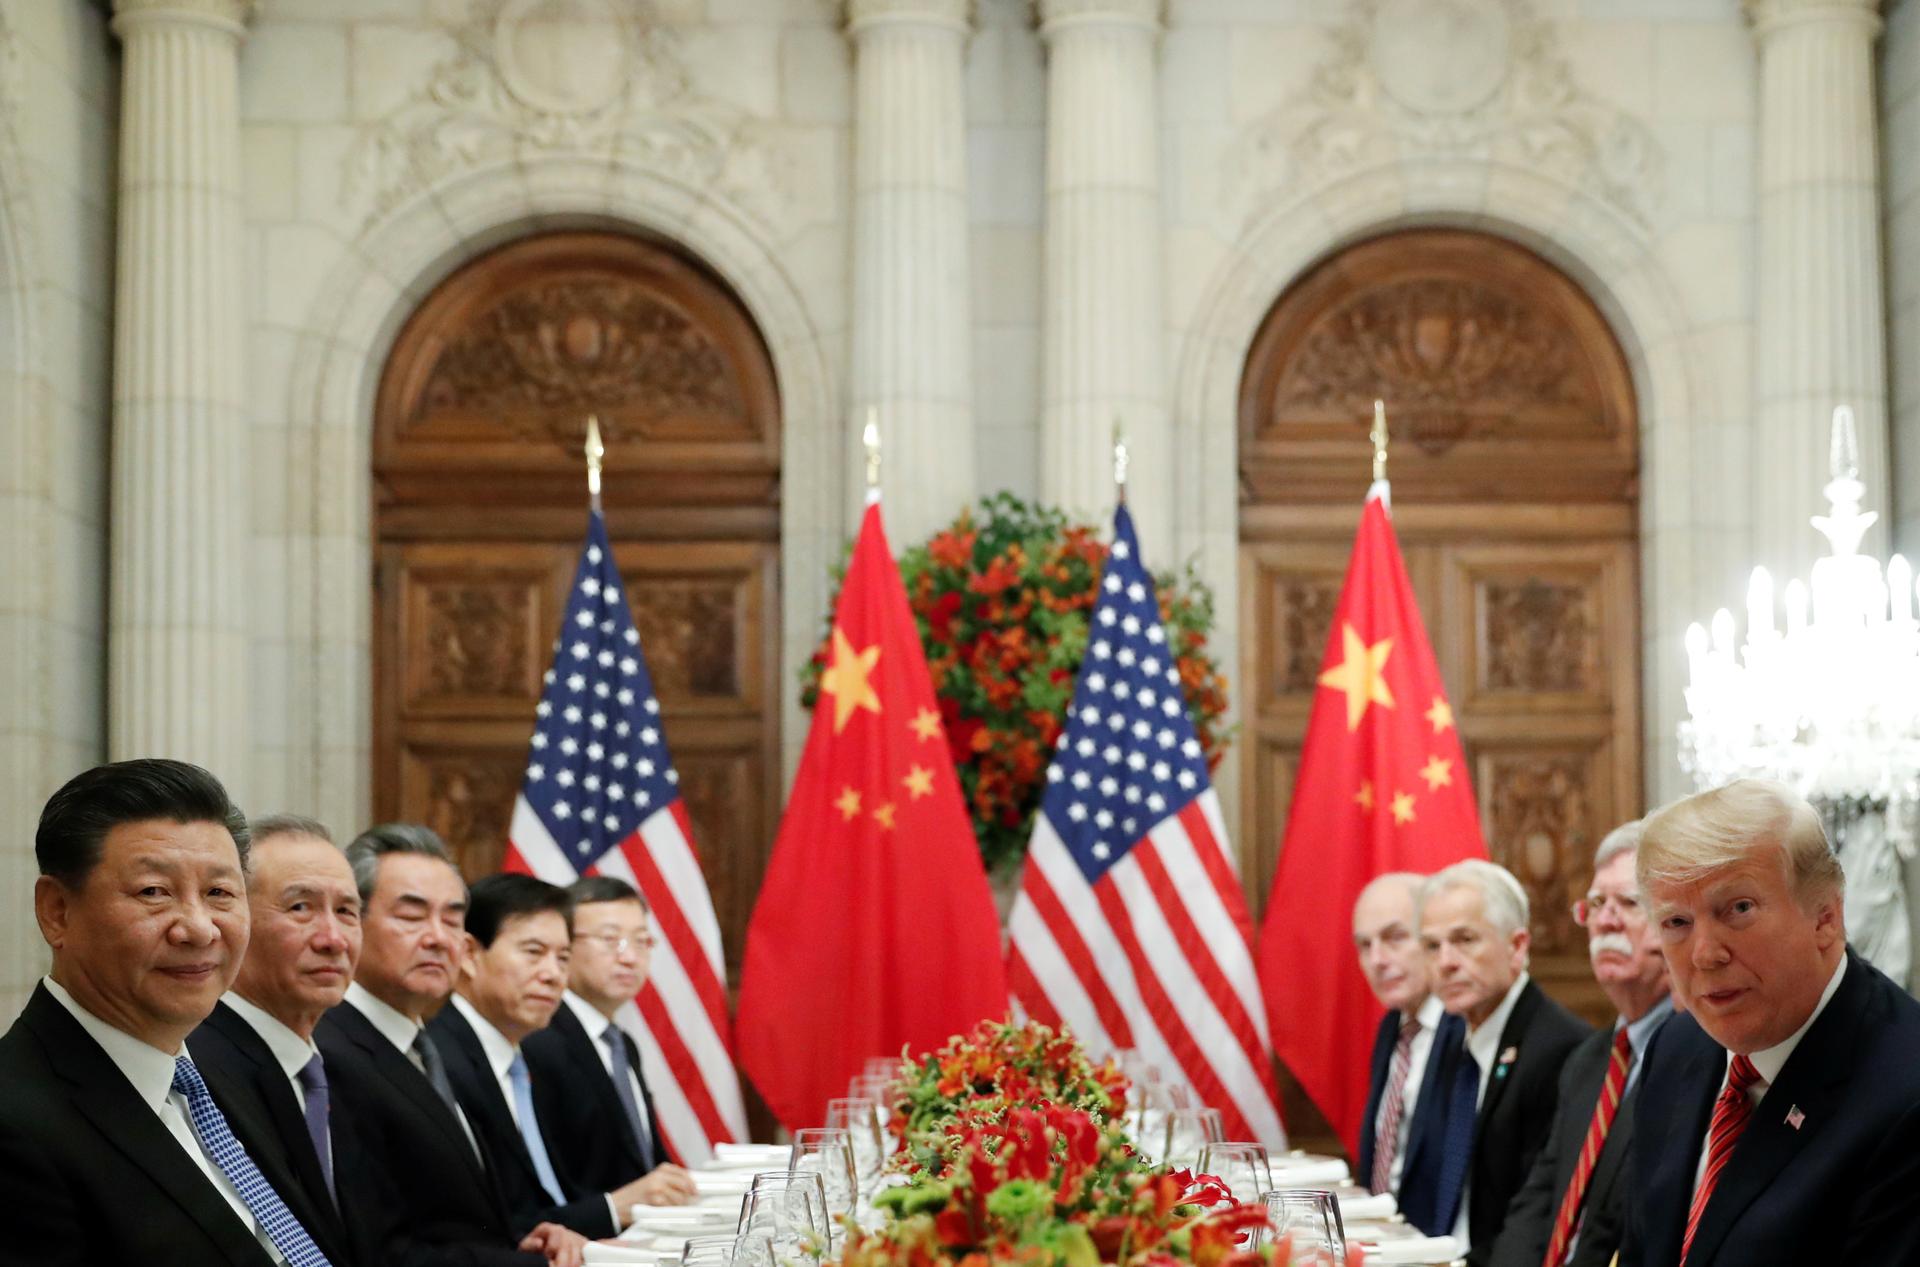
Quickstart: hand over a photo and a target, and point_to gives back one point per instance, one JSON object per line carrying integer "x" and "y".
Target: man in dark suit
{"x": 112, "y": 1147}
{"x": 519, "y": 941}
{"x": 438, "y": 1204}
{"x": 259, "y": 1039}
{"x": 1401, "y": 1099}
{"x": 1502, "y": 1083}
{"x": 588, "y": 1087}
{"x": 1789, "y": 1094}
{"x": 1572, "y": 1208}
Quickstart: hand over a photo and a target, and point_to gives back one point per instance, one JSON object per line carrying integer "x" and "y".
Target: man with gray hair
{"x": 1572, "y": 1207}
{"x": 1502, "y": 1083}
{"x": 1789, "y": 1093}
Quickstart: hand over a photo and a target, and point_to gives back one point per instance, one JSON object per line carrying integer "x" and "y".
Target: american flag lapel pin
{"x": 1795, "y": 1118}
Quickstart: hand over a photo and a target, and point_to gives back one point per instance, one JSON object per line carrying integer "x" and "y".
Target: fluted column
{"x": 1821, "y": 313}
{"x": 177, "y": 640}
{"x": 1104, "y": 308}
{"x": 912, "y": 329}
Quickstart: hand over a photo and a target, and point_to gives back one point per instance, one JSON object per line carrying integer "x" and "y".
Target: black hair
{"x": 603, "y": 888}
{"x": 495, "y": 899}
{"x": 76, "y": 820}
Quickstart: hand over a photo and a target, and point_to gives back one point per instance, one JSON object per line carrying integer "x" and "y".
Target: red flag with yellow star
{"x": 1382, "y": 786}
{"x": 875, "y": 928}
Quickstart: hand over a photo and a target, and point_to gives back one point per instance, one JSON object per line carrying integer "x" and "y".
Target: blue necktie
{"x": 255, "y": 1192}
{"x": 1456, "y": 1146}
{"x": 313, "y": 1083}
{"x": 530, "y": 1127}
{"x": 616, "y": 1040}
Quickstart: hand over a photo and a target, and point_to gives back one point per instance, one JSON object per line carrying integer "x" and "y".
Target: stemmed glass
{"x": 1241, "y": 1166}
{"x": 859, "y": 1117}
{"x": 1310, "y": 1218}
{"x": 827, "y": 1152}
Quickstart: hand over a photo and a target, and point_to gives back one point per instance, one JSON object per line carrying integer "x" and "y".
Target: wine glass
{"x": 860, "y": 1119}
{"x": 827, "y": 1152}
{"x": 1310, "y": 1218}
{"x": 1241, "y": 1166}
{"x": 788, "y": 1209}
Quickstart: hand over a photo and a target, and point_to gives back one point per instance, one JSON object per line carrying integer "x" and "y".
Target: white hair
{"x": 1501, "y": 897}
{"x": 1620, "y": 840}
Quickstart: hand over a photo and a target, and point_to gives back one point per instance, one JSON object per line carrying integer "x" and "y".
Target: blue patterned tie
{"x": 617, "y": 1042}
{"x": 530, "y": 1127}
{"x": 255, "y": 1192}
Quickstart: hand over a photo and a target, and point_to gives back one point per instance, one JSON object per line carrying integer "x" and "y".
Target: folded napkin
{"x": 750, "y": 1156}
{"x": 1309, "y": 1172}
{"x": 675, "y": 1218}
{"x": 601, "y": 1252}
{"x": 1416, "y": 1251}
{"x": 1373, "y": 1206}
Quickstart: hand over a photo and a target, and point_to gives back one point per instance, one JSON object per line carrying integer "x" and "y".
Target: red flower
{"x": 940, "y": 615}
{"x": 953, "y": 1227}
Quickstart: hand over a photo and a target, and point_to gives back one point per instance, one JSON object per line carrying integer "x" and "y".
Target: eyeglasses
{"x": 1588, "y": 908}
{"x": 619, "y": 944}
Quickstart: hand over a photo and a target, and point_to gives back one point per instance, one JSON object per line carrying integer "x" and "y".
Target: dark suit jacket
{"x": 580, "y": 1114}
{"x": 1448, "y": 1033}
{"x": 438, "y": 1206}
{"x": 253, "y": 1091}
{"x": 1841, "y": 1187}
{"x": 586, "y": 1212}
{"x": 1529, "y": 1226}
{"x": 90, "y": 1174}
{"x": 1510, "y": 1126}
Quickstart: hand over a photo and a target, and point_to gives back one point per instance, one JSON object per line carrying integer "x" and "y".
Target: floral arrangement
{"x": 993, "y": 1068}
{"x": 1003, "y": 597}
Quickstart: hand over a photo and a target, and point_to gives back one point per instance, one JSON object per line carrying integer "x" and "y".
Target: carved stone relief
{"x": 564, "y": 77}
{"x": 689, "y": 629}
{"x": 475, "y": 641}
{"x": 1475, "y": 79}
{"x": 1539, "y": 637}
{"x": 1540, "y": 828}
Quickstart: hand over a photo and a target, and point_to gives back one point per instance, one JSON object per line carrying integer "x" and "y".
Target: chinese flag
{"x": 875, "y": 927}
{"x": 1382, "y": 786}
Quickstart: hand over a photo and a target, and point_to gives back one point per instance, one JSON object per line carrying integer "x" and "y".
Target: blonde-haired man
{"x": 1789, "y": 1095}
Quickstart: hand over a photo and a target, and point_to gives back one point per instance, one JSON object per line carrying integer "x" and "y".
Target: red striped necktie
{"x": 1730, "y": 1114}
{"x": 1612, "y": 1090}
{"x": 1386, "y": 1140}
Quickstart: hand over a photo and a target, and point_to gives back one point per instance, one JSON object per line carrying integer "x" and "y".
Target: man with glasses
{"x": 1571, "y": 1210}
{"x": 587, "y": 1079}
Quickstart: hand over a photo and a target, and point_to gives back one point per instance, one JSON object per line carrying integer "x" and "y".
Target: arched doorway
{"x": 480, "y": 509}
{"x": 1514, "y": 467}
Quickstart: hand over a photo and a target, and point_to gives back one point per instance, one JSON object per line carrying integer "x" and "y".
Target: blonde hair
{"x": 1502, "y": 899}
{"x": 1700, "y": 834}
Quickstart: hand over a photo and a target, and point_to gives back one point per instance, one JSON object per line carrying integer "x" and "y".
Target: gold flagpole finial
{"x": 596, "y": 456}
{"x": 870, "y": 437}
{"x": 1120, "y": 460}
{"x": 1379, "y": 434}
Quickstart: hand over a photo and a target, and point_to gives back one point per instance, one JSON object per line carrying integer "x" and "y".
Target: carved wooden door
{"x": 481, "y": 509}
{"x": 1513, "y": 464}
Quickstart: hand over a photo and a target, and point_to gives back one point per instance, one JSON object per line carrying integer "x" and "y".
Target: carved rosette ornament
{"x": 1480, "y": 80}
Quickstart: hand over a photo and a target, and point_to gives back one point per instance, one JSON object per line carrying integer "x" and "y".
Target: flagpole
{"x": 596, "y": 455}
{"x": 870, "y": 437}
{"x": 1378, "y": 435}
{"x": 1120, "y": 459}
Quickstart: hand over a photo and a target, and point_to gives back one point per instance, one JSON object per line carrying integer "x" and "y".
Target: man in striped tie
{"x": 1788, "y": 1096}
{"x": 1570, "y": 1210}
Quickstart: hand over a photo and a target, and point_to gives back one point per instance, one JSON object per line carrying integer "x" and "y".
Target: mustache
{"x": 1618, "y": 943}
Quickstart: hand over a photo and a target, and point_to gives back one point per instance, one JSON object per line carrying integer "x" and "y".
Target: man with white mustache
{"x": 1572, "y": 1208}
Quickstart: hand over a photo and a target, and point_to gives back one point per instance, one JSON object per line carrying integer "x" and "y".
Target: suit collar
{"x": 1773, "y": 1060}
{"x": 1509, "y": 1023}
{"x": 388, "y": 1021}
{"x": 494, "y": 1046}
{"x": 147, "y": 1069}
{"x": 592, "y": 1023}
{"x": 290, "y": 1052}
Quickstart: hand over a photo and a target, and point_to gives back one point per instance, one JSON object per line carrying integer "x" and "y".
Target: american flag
{"x": 1130, "y": 927}
{"x": 601, "y": 797}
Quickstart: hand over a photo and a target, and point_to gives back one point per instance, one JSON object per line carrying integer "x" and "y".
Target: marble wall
{"x": 1900, "y": 174}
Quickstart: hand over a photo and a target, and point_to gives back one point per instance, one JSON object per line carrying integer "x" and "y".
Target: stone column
{"x": 177, "y": 659}
{"x": 1820, "y": 308}
{"x": 912, "y": 329}
{"x": 1104, "y": 308}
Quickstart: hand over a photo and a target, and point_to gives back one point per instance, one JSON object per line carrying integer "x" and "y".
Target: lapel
{"x": 1504, "y": 1071}
{"x": 1384, "y": 1036}
{"x": 591, "y": 1071}
{"x": 277, "y": 1094}
{"x": 408, "y": 1084}
{"x": 102, "y": 1094}
{"x": 478, "y": 1090}
{"x": 1814, "y": 1081}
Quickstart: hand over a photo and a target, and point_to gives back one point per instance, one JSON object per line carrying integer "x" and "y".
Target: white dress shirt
{"x": 1770, "y": 1062}
{"x": 1483, "y": 1044}
{"x": 597, "y": 1026}
{"x": 1427, "y": 1017}
{"x": 290, "y": 1051}
{"x": 150, "y": 1071}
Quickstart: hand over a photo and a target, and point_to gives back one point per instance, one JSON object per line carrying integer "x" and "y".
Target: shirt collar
{"x": 394, "y": 1025}
{"x": 149, "y": 1069}
{"x": 1485, "y": 1041}
{"x": 1430, "y": 1012}
{"x": 591, "y": 1019}
{"x": 291, "y": 1051}
{"x": 500, "y": 1052}
{"x": 1770, "y": 1062}
{"x": 1640, "y": 1032}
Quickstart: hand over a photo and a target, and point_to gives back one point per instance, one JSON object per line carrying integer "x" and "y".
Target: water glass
{"x": 859, "y": 1117}
{"x": 788, "y": 1209}
{"x": 827, "y": 1152}
{"x": 707, "y": 1251}
{"x": 1310, "y": 1219}
{"x": 752, "y": 1251}
{"x": 1241, "y": 1166}
{"x": 1187, "y": 1131}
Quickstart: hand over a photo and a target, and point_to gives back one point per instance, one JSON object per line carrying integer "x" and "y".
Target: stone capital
{"x": 866, "y": 15}
{"x": 1769, "y": 17}
{"x": 229, "y": 17}
{"x": 1056, "y": 16}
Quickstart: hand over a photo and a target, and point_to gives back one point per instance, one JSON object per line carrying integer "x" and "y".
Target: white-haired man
{"x": 1789, "y": 1093}
{"x": 1571, "y": 1209}
{"x": 1502, "y": 1083}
